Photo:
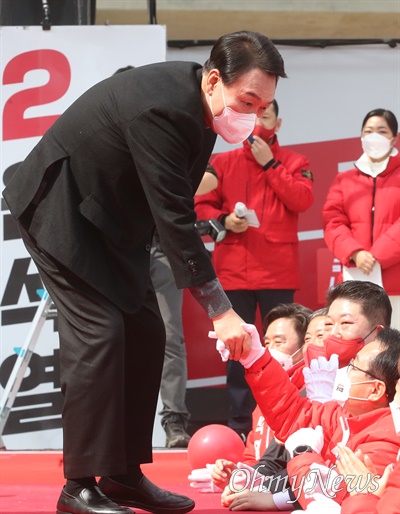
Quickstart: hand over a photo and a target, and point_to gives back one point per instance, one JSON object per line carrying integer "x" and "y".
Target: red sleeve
{"x": 209, "y": 205}
{"x": 372, "y": 504}
{"x": 299, "y": 470}
{"x": 361, "y": 504}
{"x": 337, "y": 233}
{"x": 290, "y": 185}
{"x": 386, "y": 249}
{"x": 249, "y": 454}
{"x": 284, "y": 409}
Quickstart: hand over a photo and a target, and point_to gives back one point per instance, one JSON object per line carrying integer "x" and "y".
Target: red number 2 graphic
{"x": 15, "y": 126}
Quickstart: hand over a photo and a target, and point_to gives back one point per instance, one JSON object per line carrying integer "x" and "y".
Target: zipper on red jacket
{"x": 373, "y": 212}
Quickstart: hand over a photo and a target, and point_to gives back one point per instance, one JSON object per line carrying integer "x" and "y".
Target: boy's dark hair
{"x": 374, "y": 302}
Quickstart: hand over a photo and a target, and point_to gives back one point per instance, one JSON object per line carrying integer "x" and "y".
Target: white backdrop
{"x": 43, "y": 72}
{"x": 328, "y": 90}
{"x": 325, "y": 98}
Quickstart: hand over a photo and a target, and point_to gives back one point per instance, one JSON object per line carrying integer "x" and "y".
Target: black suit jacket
{"x": 127, "y": 155}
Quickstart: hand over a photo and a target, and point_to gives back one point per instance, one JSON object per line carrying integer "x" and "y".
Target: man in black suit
{"x": 127, "y": 156}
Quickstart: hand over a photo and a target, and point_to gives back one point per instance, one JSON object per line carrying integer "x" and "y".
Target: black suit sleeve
{"x": 165, "y": 145}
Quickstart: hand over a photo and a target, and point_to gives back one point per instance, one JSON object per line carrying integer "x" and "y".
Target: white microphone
{"x": 240, "y": 210}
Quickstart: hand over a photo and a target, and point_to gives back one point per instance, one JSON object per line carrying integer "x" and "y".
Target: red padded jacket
{"x": 286, "y": 411}
{"x": 363, "y": 213}
{"x": 264, "y": 257}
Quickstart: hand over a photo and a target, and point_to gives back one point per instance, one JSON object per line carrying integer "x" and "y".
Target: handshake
{"x": 256, "y": 351}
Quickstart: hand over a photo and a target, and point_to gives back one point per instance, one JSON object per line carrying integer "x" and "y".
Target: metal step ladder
{"x": 46, "y": 310}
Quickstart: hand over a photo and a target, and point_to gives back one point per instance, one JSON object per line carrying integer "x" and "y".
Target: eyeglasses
{"x": 352, "y": 366}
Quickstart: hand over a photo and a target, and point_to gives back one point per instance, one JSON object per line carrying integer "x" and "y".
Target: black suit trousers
{"x": 111, "y": 364}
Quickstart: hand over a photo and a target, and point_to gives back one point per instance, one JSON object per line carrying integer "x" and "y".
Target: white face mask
{"x": 234, "y": 127}
{"x": 285, "y": 360}
{"x": 395, "y": 409}
{"x": 342, "y": 385}
{"x": 375, "y": 145}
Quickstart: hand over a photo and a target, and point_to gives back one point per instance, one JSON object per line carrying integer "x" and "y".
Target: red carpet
{"x": 30, "y": 482}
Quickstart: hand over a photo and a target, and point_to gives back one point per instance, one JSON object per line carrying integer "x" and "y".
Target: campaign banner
{"x": 42, "y": 73}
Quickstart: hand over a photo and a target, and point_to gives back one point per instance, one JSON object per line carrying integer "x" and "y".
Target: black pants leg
{"x": 111, "y": 365}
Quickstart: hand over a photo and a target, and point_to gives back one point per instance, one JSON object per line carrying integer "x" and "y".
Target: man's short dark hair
{"x": 385, "y": 364}
{"x": 296, "y": 312}
{"x": 239, "y": 52}
{"x": 374, "y": 302}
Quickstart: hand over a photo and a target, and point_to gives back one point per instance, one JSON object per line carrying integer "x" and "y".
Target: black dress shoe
{"x": 146, "y": 496}
{"x": 88, "y": 501}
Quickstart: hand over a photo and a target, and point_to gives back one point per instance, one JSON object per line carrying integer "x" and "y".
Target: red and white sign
{"x": 42, "y": 73}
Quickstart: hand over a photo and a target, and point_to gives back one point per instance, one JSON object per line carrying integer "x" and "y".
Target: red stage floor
{"x": 30, "y": 482}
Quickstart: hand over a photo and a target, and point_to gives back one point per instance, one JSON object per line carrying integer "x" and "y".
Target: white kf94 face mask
{"x": 285, "y": 360}
{"x": 375, "y": 145}
{"x": 342, "y": 385}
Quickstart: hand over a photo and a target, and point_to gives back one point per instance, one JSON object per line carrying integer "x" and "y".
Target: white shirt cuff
{"x": 281, "y": 500}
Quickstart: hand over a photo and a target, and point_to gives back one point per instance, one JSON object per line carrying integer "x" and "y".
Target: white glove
{"x": 306, "y": 436}
{"x": 257, "y": 349}
{"x": 320, "y": 378}
{"x": 201, "y": 479}
{"x": 220, "y": 346}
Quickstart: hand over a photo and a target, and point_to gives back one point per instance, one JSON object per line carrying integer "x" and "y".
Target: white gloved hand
{"x": 320, "y": 378}
{"x": 306, "y": 436}
{"x": 257, "y": 349}
{"x": 201, "y": 480}
{"x": 220, "y": 346}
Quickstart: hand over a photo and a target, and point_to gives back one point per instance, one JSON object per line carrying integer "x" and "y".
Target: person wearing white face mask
{"x": 386, "y": 497}
{"x": 284, "y": 333}
{"x": 258, "y": 261}
{"x": 361, "y": 213}
{"x": 284, "y": 328}
{"x": 364, "y": 423}
{"x": 125, "y": 158}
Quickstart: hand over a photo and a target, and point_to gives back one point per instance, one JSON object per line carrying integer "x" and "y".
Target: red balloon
{"x": 214, "y": 442}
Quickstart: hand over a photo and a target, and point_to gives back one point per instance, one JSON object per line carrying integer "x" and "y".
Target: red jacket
{"x": 363, "y": 213}
{"x": 286, "y": 411}
{"x": 258, "y": 438}
{"x": 264, "y": 257}
{"x": 261, "y": 434}
{"x": 372, "y": 504}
